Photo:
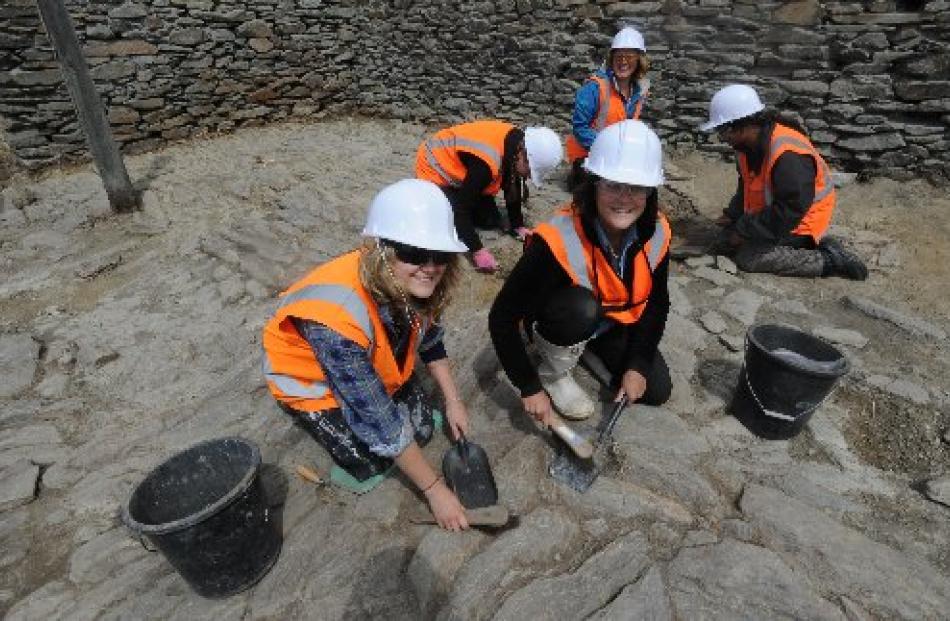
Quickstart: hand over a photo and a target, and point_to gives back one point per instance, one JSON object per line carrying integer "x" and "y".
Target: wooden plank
{"x": 89, "y": 108}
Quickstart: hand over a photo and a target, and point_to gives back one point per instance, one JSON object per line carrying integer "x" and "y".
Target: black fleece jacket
{"x": 535, "y": 277}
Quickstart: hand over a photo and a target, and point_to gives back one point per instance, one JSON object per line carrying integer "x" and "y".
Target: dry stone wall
{"x": 871, "y": 79}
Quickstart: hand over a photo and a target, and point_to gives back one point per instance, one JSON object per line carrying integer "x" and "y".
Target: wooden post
{"x": 89, "y": 108}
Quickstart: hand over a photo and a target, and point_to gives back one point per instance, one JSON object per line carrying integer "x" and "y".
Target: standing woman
{"x": 339, "y": 353}
{"x": 612, "y": 94}
{"x": 473, "y": 161}
{"x": 594, "y": 276}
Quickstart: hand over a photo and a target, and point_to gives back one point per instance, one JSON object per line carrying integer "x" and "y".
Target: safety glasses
{"x": 418, "y": 256}
{"x": 622, "y": 190}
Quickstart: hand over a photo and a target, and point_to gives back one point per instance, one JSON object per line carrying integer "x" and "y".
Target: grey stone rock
{"x": 900, "y": 388}
{"x": 53, "y": 386}
{"x": 16, "y": 537}
{"x": 644, "y": 599}
{"x": 578, "y": 594}
{"x": 938, "y": 490}
{"x": 18, "y": 484}
{"x": 713, "y": 322}
{"x": 436, "y": 562}
{"x": 701, "y": 261}
{"x": 739, "y": 530}
{"x": 913, "y": 325}
{"x": 50, "y": 601}
{"x": 742, "y": 305}
{"x": 873, "y": 142}
{"x": 699, "y": 538}
{"x": 543, "y": 536}
{"x": 616, "y": 498}
{"x": 732, "y": 342}
{"x": 738, "y": 580}
{"x": 19, "y": 358}
{"x": 844, "y": 560}
{"x": 717, "y": 277}
{"x": 99, "y": 558}
{"x": 726, "y": 264}
{"x": 842, "y": 336}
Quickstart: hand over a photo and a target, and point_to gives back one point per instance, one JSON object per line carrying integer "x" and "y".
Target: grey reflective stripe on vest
{"x": 434, "y": 163}
{"x": 290, "y": 386}
{"x": 575, "y": 250}
{"x": 344, "y": 297}
{"x": 455, "y": 142}
{"x": 603, "y": 101}
{"x": 825, "y": 170}
{"x": 656, "y": 243}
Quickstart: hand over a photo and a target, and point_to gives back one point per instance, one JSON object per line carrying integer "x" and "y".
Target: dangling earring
{"x": 411, "y": 316}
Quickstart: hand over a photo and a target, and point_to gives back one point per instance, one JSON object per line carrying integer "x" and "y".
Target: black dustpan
{"x": 467, "y": 473}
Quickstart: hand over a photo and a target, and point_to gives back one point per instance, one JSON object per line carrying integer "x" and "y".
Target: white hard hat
{"x": 414, "y": 212}
{"x": 627, "y": 152}
{"x": 731, "y": 103}
{"x": 544, "y": 152}
{"x": 628, "y": 39}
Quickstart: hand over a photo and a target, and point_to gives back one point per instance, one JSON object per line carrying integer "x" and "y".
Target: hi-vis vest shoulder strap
{"x": 758, "y": 193}
{"x": 587, "y": 266}
{"x": 437, "y": 158}
{"x": 333, "y": 296}
{"x": 610, "y": 110}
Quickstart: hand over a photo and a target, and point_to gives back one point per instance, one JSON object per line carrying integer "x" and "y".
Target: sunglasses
{"x": 626, "y": 56}
{"x": 615, "y": 188}
{"x": 418, "y": 256}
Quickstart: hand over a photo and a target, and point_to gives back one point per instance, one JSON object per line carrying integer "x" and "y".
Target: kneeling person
{"x": 594, "y": 276}
{"x": 778, "y": 219}
{"x": 340, "y": 351}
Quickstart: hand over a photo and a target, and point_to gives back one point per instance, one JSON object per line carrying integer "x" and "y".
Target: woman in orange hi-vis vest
{"x": 778, "y": 219}
{"x": 474, "y": 161}
{"x": 592, "y": 283}
{"x": 339, "y": 352}
{"x": 612, "y": 94}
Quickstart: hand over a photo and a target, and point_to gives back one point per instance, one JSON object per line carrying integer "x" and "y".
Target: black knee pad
{"x": 570, "y": 316}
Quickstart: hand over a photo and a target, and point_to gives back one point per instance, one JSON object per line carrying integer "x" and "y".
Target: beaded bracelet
{"x": 431, "y": 485}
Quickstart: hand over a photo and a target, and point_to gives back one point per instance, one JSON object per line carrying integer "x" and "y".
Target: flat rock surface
{"x": 125, "y": 339}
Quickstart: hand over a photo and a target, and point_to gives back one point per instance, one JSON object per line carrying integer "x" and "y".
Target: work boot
{"x": 484, "y": 260}
{"x": 841, "y": 262}
{"x": 555, "y": 368}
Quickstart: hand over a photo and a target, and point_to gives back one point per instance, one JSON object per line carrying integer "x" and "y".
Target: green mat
{"x": 342, "y": 478}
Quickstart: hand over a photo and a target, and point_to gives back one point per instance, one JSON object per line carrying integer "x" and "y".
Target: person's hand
{"x": 457, "y": 415}
{"x": 445, "y": 506}
{"x": 633, "y": 384}
{"x": 520, "y": 233}
{"x": 538, "y": 407}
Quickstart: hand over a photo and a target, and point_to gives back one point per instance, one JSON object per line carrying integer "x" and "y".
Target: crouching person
{"x": 594, "y": 277}
{"x": 778, "y": 218}
{"x": 339, "y": 353}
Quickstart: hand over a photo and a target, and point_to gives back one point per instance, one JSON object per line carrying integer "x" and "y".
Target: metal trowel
{"x": 578, "y": 473}
{"x": 467, "y": 473}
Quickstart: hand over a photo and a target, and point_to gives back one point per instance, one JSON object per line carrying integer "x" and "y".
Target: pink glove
{"x": 521, "y": 232}
{"x": 484, "y": 261}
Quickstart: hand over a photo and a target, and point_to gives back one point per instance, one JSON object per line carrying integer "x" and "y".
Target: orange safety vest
{"x": 610, "y": 110}
{"x": 437, "y": 158}
{"x": 332, "y": 295}
{"x": 587, "y": 266}
{"x": 757, "y": 188}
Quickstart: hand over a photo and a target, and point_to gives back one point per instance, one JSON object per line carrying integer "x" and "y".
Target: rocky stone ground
{"x": 127, "y": 338}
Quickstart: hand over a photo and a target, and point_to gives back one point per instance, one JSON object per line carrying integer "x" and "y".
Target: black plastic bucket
{"x": 204, "y": 508}
{"x": 787, "y": 375}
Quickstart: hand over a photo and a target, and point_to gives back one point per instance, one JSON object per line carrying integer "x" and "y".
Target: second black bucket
{"x": 787, "y": 375}
{"x": 204, "y": 508}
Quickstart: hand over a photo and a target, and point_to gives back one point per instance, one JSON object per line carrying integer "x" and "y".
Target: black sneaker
{"x": 842, "y": 261}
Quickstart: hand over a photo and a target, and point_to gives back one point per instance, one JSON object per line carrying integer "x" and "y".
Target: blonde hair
{"x": 376, "y": 276}
{"x": 643, "y": 64}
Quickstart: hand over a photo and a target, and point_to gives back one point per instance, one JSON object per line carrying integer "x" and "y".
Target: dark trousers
{"x": 611, "y": 348}
{"x": 330, "y": 429}
{"x": 481, "y": 212}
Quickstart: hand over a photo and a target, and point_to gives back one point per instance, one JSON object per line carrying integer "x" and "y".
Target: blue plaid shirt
{"x": 371, "y": 413}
